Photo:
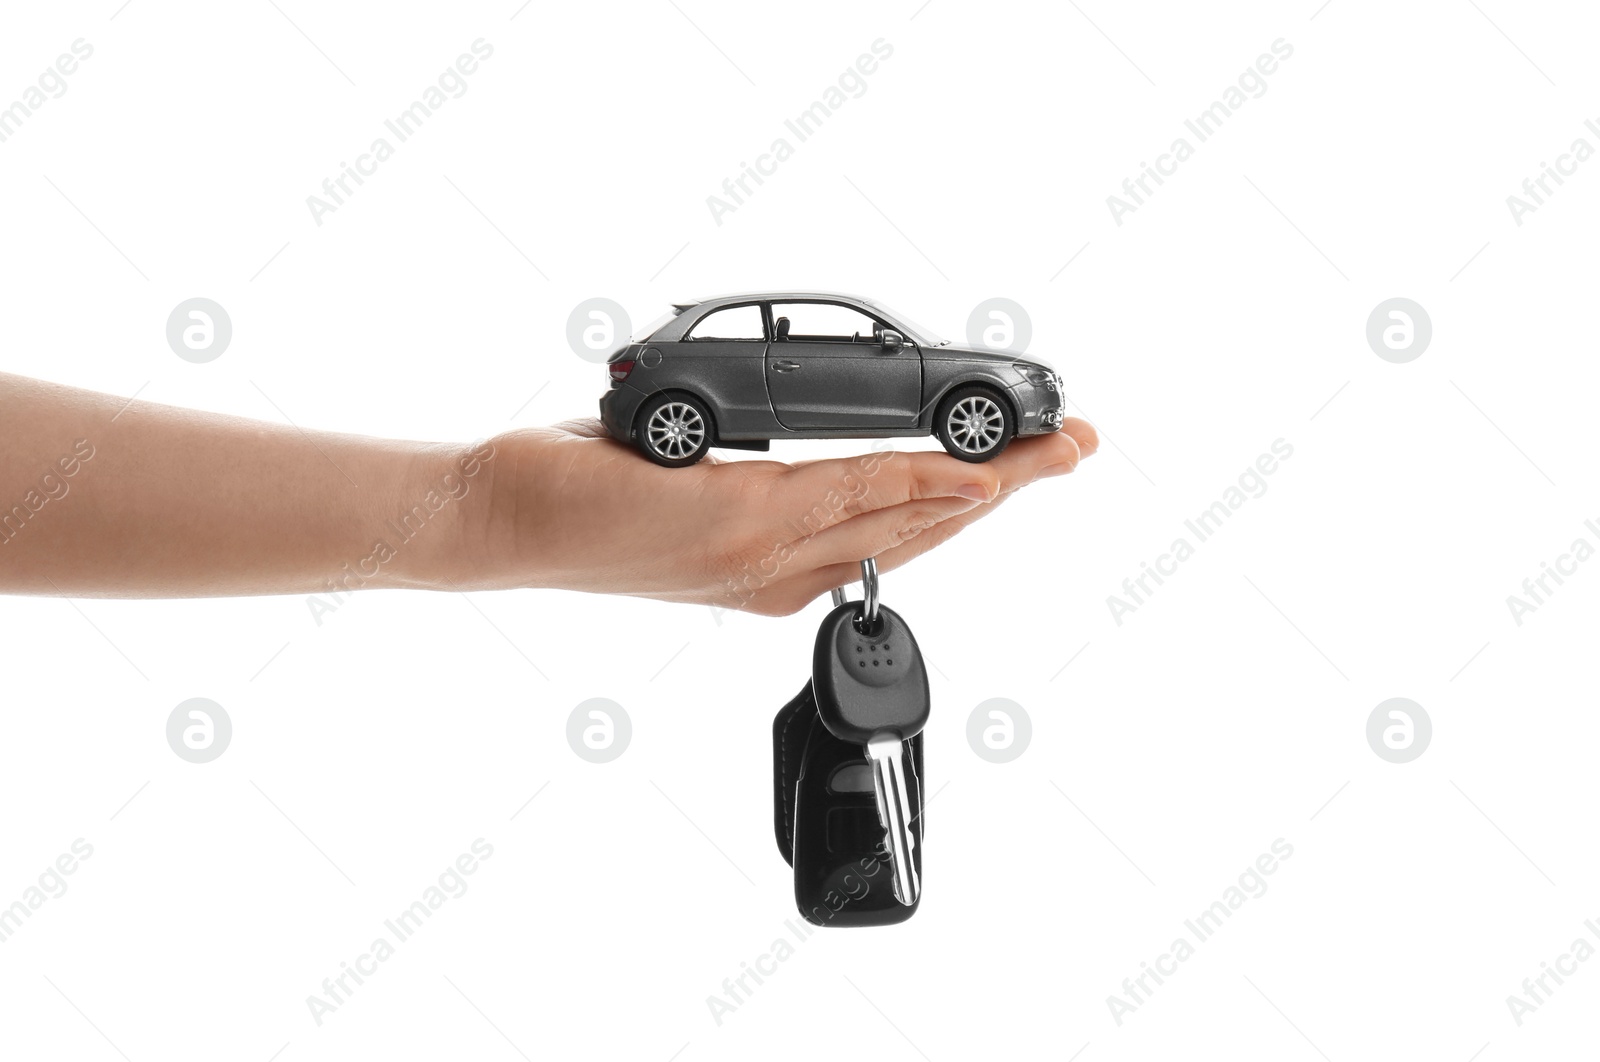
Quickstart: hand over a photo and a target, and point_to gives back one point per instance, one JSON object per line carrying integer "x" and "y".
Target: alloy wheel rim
{"x": 975, "y": 424}
{"x": 676, "y": 430}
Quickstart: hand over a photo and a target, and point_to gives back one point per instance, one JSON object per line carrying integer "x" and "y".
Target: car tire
{"x": 674, "y": 429}
{"x": 974, "y": 423}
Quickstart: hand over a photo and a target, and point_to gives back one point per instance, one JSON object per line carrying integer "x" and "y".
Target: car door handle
{"x": 785, "y": 366}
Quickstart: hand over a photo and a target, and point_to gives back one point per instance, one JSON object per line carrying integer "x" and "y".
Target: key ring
{"x": 869, "y": 591}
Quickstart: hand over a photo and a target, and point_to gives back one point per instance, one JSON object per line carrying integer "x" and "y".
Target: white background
{"x": 1229, "y": 711}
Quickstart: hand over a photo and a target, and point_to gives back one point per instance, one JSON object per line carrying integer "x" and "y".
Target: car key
{"x": 871, "y": 689}
{"x": 826, "y": 820}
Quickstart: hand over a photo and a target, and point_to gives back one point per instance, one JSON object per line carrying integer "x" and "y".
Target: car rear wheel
{"x": 974, "y": 423}
{"x": 674, "y": 430}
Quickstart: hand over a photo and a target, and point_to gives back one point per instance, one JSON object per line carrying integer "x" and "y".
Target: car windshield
{"x": 925, "y": 336}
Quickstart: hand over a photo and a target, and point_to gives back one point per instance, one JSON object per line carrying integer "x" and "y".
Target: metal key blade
{"x": 886, "y": 751}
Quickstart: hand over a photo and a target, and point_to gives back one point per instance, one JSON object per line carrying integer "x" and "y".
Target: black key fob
{"x": 827, "y": 825}
{"x": 868, "y": 677}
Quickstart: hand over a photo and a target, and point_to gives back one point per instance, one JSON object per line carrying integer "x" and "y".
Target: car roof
{"x": 776, "y": 296}
{"x": 688, "y": 314}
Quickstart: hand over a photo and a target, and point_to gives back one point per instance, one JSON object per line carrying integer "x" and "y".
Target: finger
{"x": 1036, "y": 456}
{"x": 796, "y": 593}
{"x": 934, "y": 537}
{"x": 791, "y": 595}
{"x": 881, "y": 530}
{"x": 788, "y": 596}
{"x": 847, "y": 487}
{"x": 1083, "y": 433}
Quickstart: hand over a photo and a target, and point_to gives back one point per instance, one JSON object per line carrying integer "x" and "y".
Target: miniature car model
{"x": 741, "y": 370}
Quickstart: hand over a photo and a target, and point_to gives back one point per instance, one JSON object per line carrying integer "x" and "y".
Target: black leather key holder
{"x": 827, "y": 818}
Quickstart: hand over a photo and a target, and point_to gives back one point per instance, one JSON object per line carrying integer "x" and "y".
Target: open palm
{"x": 570, "y": 507}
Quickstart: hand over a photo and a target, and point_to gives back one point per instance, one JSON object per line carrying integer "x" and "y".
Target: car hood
{"x": 987, "y": 357}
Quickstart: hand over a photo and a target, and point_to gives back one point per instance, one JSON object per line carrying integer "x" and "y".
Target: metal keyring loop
{"x": 869, "y": 591}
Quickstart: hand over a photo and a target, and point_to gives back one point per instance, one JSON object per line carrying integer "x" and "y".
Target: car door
{"x": 721, "y": 359}
{"x": 827, "y": 368}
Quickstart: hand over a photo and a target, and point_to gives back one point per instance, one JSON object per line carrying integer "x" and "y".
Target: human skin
{"x": 179, "y": 503}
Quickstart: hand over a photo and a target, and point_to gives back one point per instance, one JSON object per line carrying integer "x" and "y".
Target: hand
{"x": 570, "y": 507}
{"x": 124, "y": 498}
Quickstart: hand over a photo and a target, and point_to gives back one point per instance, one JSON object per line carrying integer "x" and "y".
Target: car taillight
{"x": 620, "y": 369}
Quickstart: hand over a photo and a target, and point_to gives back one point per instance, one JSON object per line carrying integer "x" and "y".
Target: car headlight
{"x": 1037, "y": 375}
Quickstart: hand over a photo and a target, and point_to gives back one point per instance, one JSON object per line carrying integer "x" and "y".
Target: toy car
{"x": 741, "y": 370}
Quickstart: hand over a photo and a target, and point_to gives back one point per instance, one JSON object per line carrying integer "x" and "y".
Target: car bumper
{"x": 619, "y": 407}
{"x": 1040, "y": 409}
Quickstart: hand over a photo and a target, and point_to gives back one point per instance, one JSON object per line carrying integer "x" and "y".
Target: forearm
{"x": 99, "y": 497}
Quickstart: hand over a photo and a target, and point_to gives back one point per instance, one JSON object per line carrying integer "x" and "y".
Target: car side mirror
{"x": 892, "y": 340}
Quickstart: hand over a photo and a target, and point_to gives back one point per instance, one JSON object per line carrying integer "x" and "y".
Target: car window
{"x": 736, "y": 323}
{"x": 918, "y": 333}
{"x": 824, "y": 322}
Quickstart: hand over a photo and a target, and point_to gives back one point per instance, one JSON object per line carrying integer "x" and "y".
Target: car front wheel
{"x": 674, "y": 430}
{"x": 974, "y": 423}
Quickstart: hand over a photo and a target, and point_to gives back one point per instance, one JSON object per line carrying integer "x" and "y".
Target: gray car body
{"x": 838, "y": 390}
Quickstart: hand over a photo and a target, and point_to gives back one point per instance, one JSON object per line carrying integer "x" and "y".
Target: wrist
{"x": 428, "y": 531}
